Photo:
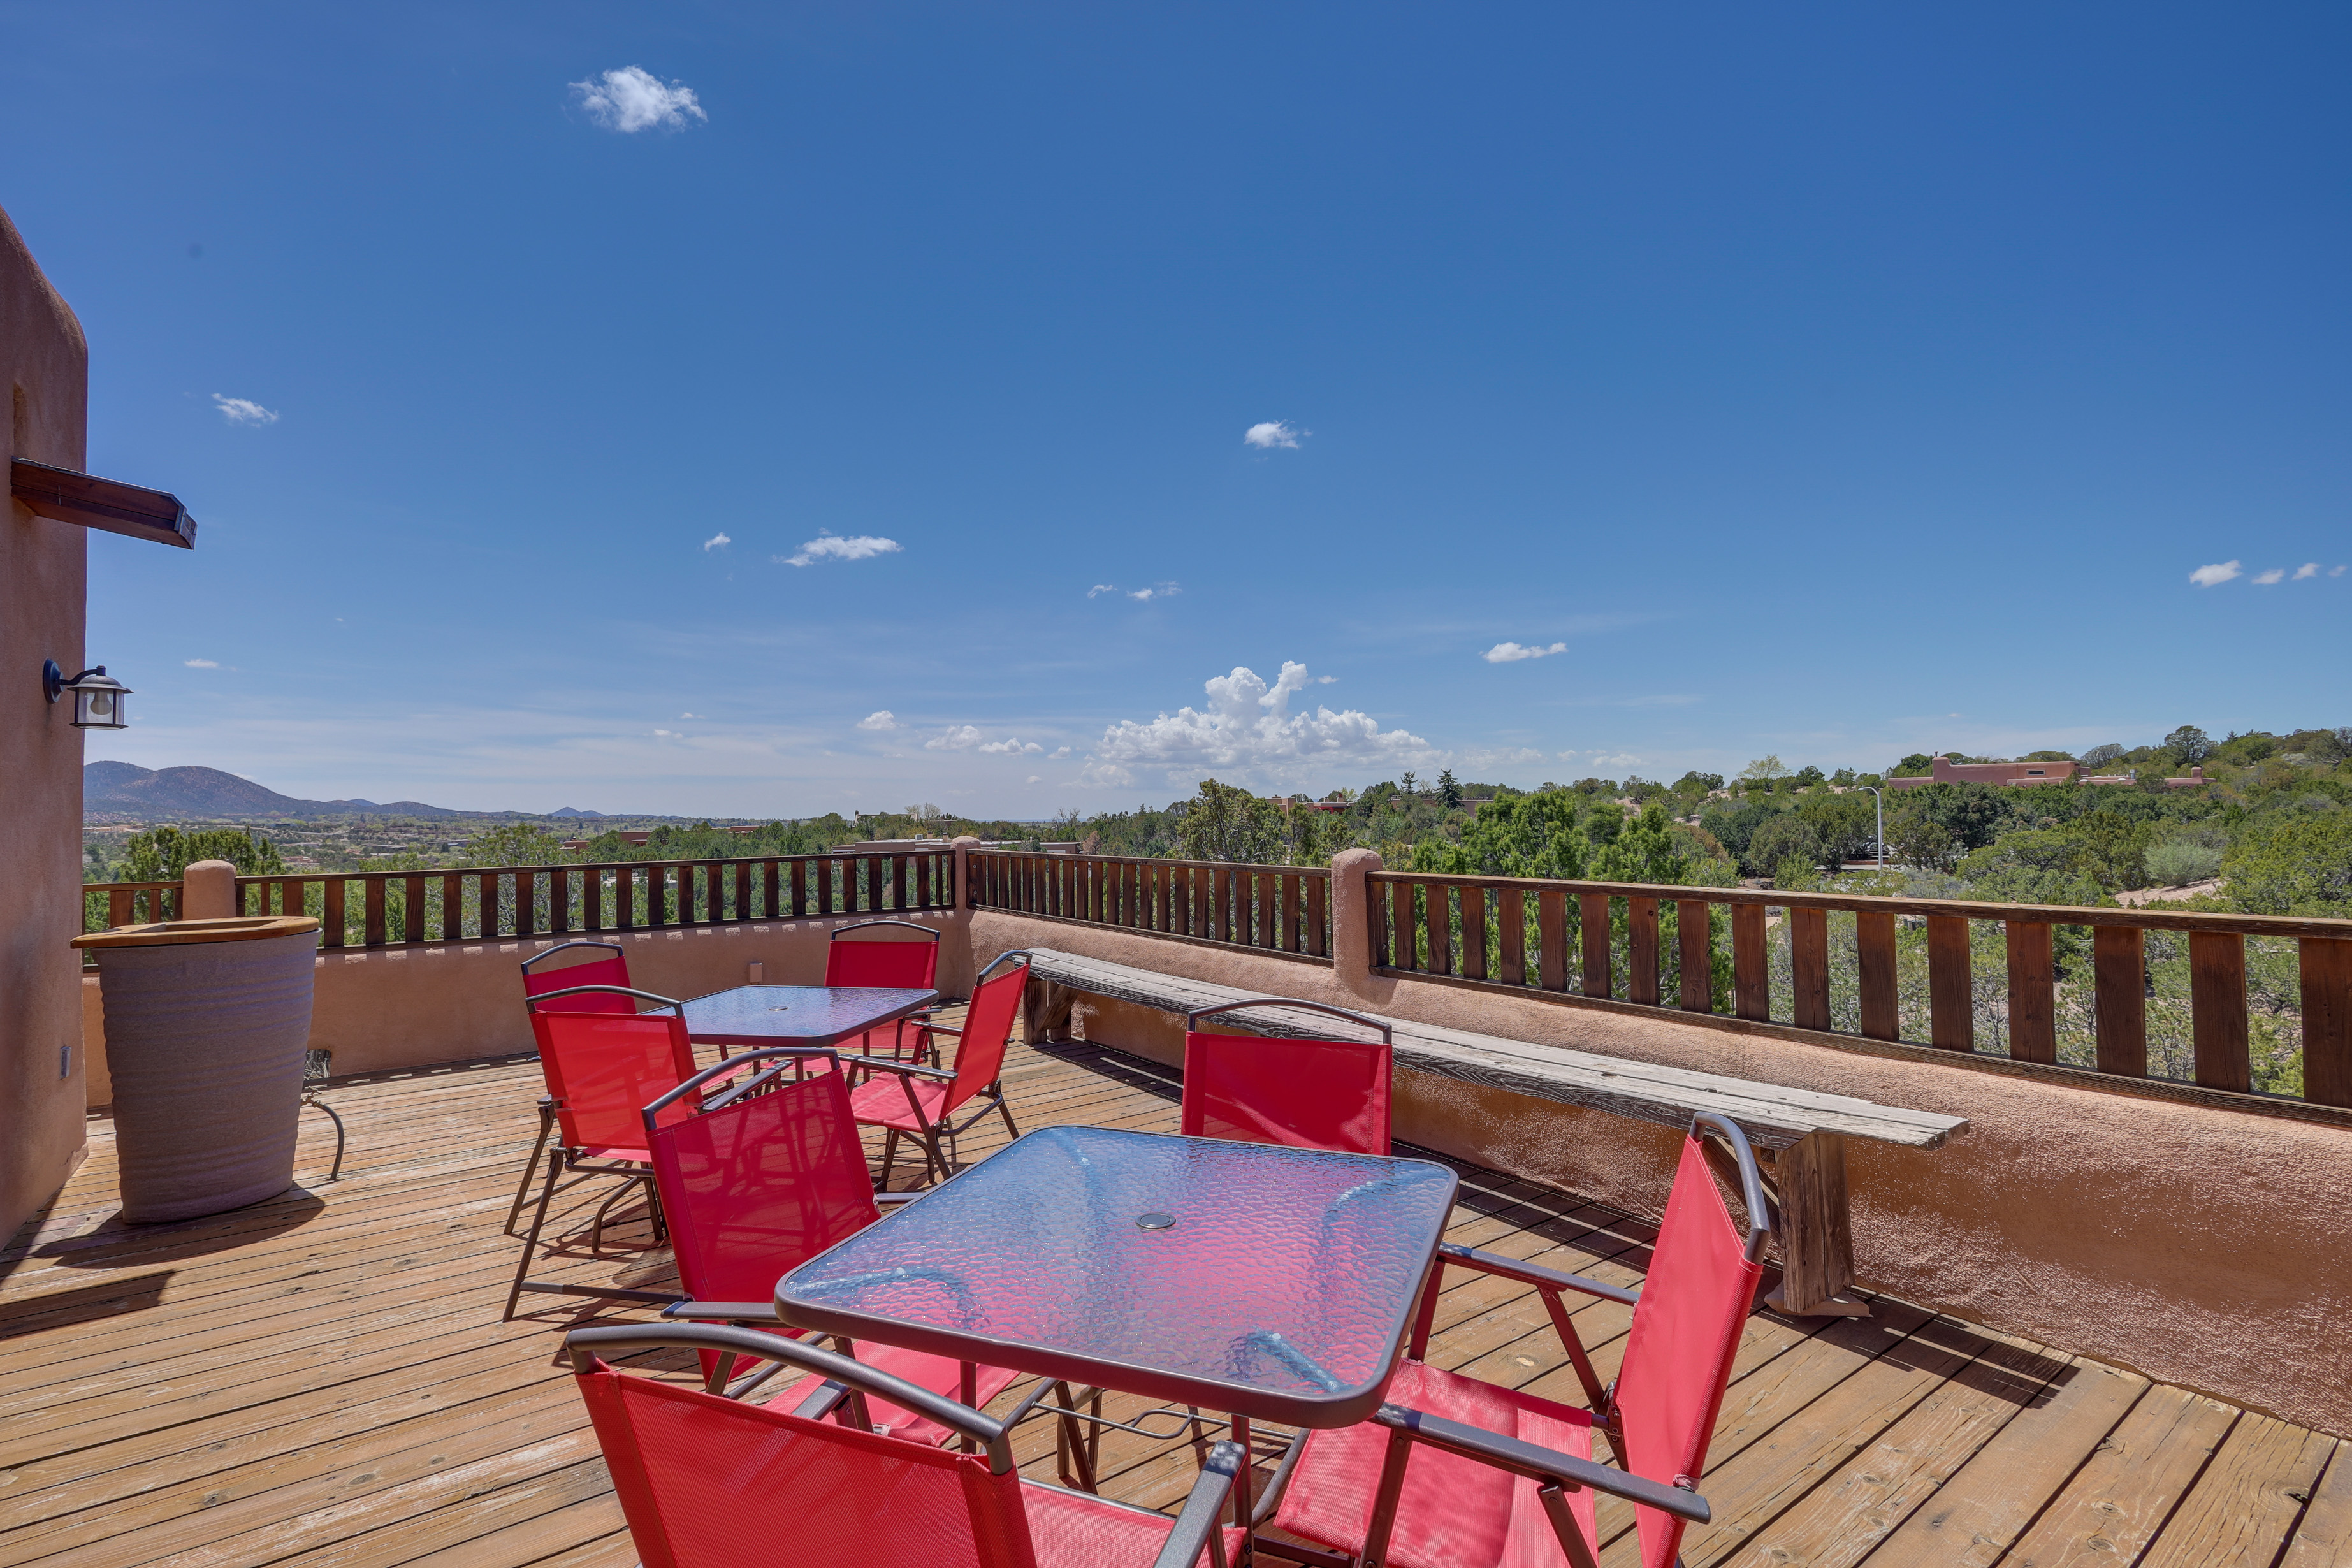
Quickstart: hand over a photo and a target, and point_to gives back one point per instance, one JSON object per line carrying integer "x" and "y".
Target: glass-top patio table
{"x": 815, "y": 1016}
{"x": 1267, "y": 1282}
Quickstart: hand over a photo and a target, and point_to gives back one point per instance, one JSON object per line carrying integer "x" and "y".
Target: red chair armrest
{"x": 1540, "y": 1464}
{"x": 905, "y": 1069}
{"x": 1533, "y": 1274}
{"x": 722, "y": 1311}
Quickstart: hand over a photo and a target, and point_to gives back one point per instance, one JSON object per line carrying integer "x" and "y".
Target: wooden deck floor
{"x": 323, "y": 1379}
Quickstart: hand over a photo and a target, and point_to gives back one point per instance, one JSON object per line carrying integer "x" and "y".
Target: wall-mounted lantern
{"x": 98, "y": 695}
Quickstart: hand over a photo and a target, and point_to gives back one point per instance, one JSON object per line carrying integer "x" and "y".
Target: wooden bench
{"x": 1800, "y": 1134}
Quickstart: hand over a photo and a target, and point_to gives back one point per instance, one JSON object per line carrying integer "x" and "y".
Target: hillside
{"x": 210, "y": 793}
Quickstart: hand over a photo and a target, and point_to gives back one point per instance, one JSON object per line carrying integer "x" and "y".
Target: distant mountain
{"x": 573, "y": 811}
{"x": 210, "y": 793}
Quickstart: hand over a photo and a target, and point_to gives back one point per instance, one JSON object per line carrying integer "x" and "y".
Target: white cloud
{"x": 959, "y": 738}
{"x": 668, "y": 735}
{"x": 632, "y": 100}
{"x": 2336, "y": 572}
{"x": 202, "y": 663}
{"x": 2308, "y": 569}
{"x": 1033, "y": 778}
{"x": 1157, "y": 591}
{"x": 1327, "y": 681}
{"x": 880, "y": 719}
{"x": 1506, "y": 652}
{"x": 1247, "y": 727}
{"x": 1060, "y": 752}
{"x": 1271, "y": 433}
{"x": 2211, "y": 576}
{"x": 1102, "y": 588}
{"x": 2275, "y": 574}
{"x": 1010, "y": 748}
{"x": 828, "y": 546}
{"x": 715, "y": 540}
{"x": 1608, "y": 758}
{"x": 244, "y": 411}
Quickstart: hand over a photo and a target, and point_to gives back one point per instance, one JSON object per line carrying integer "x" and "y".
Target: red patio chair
{"x": 707, "y": 1482}
{"x": 600, "y": 1069}
{"x": 920, "y": 1102}
{"x": 1306, "y": 1094}
{"x": 909, "y": 963}
{"x": 755, "y": 1181}
{"x": 1453, "y": 1471}
{"x": 611, "y": 971}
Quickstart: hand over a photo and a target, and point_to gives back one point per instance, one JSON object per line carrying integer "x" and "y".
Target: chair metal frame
{"x": 547, "y": 1103}
{"x": 938, "y": 1138}
{"x": 1556, "y": 1474}
{"x": 562, "y": 1159}
{"x": 318, "y": 1067}
{"x": 847, "y": 1385}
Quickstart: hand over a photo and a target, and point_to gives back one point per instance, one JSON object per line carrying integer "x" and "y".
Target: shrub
{"x": 2177, "y": 862}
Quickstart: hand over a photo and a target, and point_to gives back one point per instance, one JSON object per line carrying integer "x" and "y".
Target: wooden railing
{"x": 1280, "y": 909}
{"x": 379, "y": 908}
{"x": 2011, "y": 980}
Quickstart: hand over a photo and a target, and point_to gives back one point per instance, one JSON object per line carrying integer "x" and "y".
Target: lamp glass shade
{"x": 99, "y": 701}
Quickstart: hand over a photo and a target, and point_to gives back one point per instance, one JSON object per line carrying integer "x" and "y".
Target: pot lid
{"x": 234, "y": 928}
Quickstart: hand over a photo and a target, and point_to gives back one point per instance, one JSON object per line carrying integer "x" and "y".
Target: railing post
{"x": 1873, "y": 940}
{"x": 2119, "y": 967}
{"x": 2032, "y": 994}
{"x": 1641, "y": 951}
{"x": 1951, "y": 1005}
{"x": 1696, "y": 951}
{"x": 1351, "y": 926}
{"x": 2327, "y": 965}
{"x": 2217, "y": 1002}
{"x": 1751, "y": 991}
{"x": 1808, "y": 962}
{"x": 962, "y": 849}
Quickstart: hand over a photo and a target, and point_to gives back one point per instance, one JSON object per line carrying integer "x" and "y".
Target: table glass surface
{"x": 747, "y": 1013}
{"x": 1282, "y": 1288}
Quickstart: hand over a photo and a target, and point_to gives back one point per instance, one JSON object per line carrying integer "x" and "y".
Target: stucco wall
{"x": 44, "y": 376}
{"x": 405, "y": 1006}
{"x": 2205, "y": 1248}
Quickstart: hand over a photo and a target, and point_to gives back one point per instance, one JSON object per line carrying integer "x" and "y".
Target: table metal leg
{"x": 1242, "y": 1505}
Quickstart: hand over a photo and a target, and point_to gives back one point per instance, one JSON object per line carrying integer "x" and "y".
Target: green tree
{"x": 516, "y": 844}
{"x": 1766, "y": 768}
{"x": 1223, "y": 823}
{"x": 164, "y": 854}
{"x": 1784, "y": 837}
{"x": 1530, "y": 835}
{"x": 2189, "y": 746}
{"x": 2292, "y": 863}
{"x": 1449, "y": 793}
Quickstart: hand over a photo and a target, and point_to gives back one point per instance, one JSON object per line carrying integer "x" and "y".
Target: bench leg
{"x": 1045, "y": 1009}
{"x": 1816, "y": 1233}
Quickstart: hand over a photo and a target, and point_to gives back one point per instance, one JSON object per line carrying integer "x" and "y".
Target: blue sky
{"x": 1831, "y": 383}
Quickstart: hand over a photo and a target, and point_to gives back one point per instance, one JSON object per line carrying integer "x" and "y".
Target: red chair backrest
{"x": 611, "y": 970}
{"x": 1687, "y": 1328}
{"x": 691, "y": 1469}
{"x": 1307, "y": 1094}
{"x": 752, "y": 1189}
{"x": 987, "y": 1030}
{"x": 604, "y": 1069}
{"x": 912, "y": 961}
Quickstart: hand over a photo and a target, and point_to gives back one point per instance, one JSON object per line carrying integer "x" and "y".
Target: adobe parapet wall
{"x": 2204, "y": 1247}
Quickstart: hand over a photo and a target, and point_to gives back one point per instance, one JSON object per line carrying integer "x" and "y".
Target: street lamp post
{"x": 1882, "y": 824}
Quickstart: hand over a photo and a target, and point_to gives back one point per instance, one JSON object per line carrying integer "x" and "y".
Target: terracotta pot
{"x": 206, "y": 1022}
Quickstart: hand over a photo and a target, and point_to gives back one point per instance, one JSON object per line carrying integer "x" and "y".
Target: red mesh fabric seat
{"x": 910, "y": 1100}
{"x": 1459, "y": 1509}
{"x": 1454, "y": 1513}
{"x": 1306, "y": 1094}
{"x": 539, "y": 977}
{"x": 709, "y": 1482}
{"x": 755, "y": 1186}
{"x": 906, "y": 961}
{"x": 602, "y": 1068}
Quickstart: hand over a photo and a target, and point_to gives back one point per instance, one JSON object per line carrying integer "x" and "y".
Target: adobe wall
{"x": 2204, "y": 1247}
{"x": 383, "y": 1008}
{"x": 45, "y": 379}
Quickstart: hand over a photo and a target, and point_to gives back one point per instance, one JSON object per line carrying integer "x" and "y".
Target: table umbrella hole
{"x": 1154, "y": 1221}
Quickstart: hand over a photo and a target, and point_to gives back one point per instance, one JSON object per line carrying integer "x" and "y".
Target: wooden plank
{"x": 2326, "y": 968}
{"x": 874, "y": 890}
{"x": 824, "y": 885}
{"x": 559, "y": 900}
{"x": 414, "y": 926}
{"x": 1641, "y": 951}
{"x": 2032, "y": 992}
{"x": 1815, "y": 1233}
{"x": 1951, "y": 995}
{"x": 373, "y": 925}
{"x": 1437, "y": 910}
{"x": 1267, "y": 935}
{"x": 334, "y": 928}
{"x": 1770, "y": 1114}
{"x": 2216, "y": 997}
{"x": 1405, "y": 929}
{"x": 2120, "y": 969}
{"x": 1695, "y": 951}
{"x": 591, "y": 899}
{"x": 1873, "y": 940}
{"x": 1751, "y": 975}
{"x": 1473, "y": 932}
{"x": 2115, "y": 1503}
{"x": 2249, "y": 1498}
{"x": 923, "y": 867}
{"x": 771, "y": 888}
{"x": 1970, "y": 1521}
{"x": 453, "y": 907}
{"x": 1511, "y": 936}
{"x": 526, "y": 897}
{"x": 2323, "y": 1536}
{"x": 117, "y": 908}
{"x": 1318, "y": 915}
{"x": 1592, "y": 932}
